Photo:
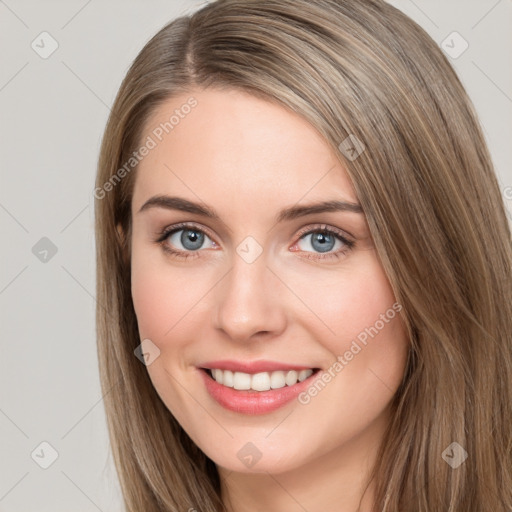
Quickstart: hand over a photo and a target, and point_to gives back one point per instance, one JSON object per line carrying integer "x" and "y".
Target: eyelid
{"x": 167, "y": 231}
{"x": 326, "y": 227}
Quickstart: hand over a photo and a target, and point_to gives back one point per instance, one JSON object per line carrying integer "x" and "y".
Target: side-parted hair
{"x": 430, "y": 195}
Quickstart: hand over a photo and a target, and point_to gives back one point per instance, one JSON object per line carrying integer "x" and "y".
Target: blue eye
{"x": 191, "y": 238}
{"x": 325, "y": 240}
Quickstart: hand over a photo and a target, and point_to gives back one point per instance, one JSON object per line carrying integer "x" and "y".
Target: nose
{"x": 249, "y": 301}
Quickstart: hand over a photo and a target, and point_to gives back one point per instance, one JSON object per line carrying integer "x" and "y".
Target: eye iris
{"x": 190, "y": 236}
{"x": 326, "y": 242}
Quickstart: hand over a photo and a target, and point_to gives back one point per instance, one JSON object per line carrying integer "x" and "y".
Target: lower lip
{"x": 253, "y": 402}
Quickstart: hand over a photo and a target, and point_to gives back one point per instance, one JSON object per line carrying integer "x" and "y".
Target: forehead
{"x": 234, "y": 148}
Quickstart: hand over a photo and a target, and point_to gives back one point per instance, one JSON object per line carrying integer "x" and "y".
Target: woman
{"x": 304, "y": 269}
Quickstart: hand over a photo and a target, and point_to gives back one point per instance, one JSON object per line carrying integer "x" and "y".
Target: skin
{"x": 247, "y": 159}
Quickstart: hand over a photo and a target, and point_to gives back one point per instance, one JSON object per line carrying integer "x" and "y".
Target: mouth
{"x": 261, "y": 381}
{"x": 256, "y": 393}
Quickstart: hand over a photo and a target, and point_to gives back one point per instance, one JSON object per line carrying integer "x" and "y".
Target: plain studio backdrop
{"x": 61, "y": 66}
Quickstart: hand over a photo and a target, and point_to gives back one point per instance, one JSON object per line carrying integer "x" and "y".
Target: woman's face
{"x": 257, "y": 290}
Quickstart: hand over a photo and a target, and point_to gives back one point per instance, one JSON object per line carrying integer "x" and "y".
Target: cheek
{"x": 347, "y": 301}
{"x": 367, "y": 305}
{"x": 368, "y": 344}
{"x": 165, "y": 298}
{"x": 366, "y": 333}
{"x": 151, "y": 300}
{"x": 373, "y": 345}
{"x": 154, "y": 293}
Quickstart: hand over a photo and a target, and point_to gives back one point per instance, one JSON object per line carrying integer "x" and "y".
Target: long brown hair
{"x": 430, "y": 195}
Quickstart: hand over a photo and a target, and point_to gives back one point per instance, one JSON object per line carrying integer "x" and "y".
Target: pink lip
{"x": 252, "y": 367}
{"x": 253, "y": 402}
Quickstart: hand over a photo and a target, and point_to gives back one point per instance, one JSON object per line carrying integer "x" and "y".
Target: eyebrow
{"x": 293, "y": 212}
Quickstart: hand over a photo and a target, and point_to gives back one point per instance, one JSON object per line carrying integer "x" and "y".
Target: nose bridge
{"x": 246, "y": 302}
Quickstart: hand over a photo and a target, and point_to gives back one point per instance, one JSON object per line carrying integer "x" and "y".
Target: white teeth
{"x": 263, "y": 381}
{"x": 260, "y": 381}
{"x": 226, "y": 379}
{"x": 291, "y": 378}
{"x": 217, "y": 375}
{"x": 241, "y": 381}
{"x": 304, "y": 374}
{"x": 277, "y": 380}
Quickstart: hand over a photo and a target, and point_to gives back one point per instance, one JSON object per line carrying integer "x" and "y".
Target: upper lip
{"x": 252, "y": 366}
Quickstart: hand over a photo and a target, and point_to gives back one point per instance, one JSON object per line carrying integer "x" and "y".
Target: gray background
{"x": 53, "y": 112}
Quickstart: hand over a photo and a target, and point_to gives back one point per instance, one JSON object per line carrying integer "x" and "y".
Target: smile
{"x": 263, "y": 381}
{"x": 258, "y": 392}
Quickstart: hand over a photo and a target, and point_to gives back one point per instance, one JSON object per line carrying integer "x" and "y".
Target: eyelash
{"x": 164, "y": 234}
